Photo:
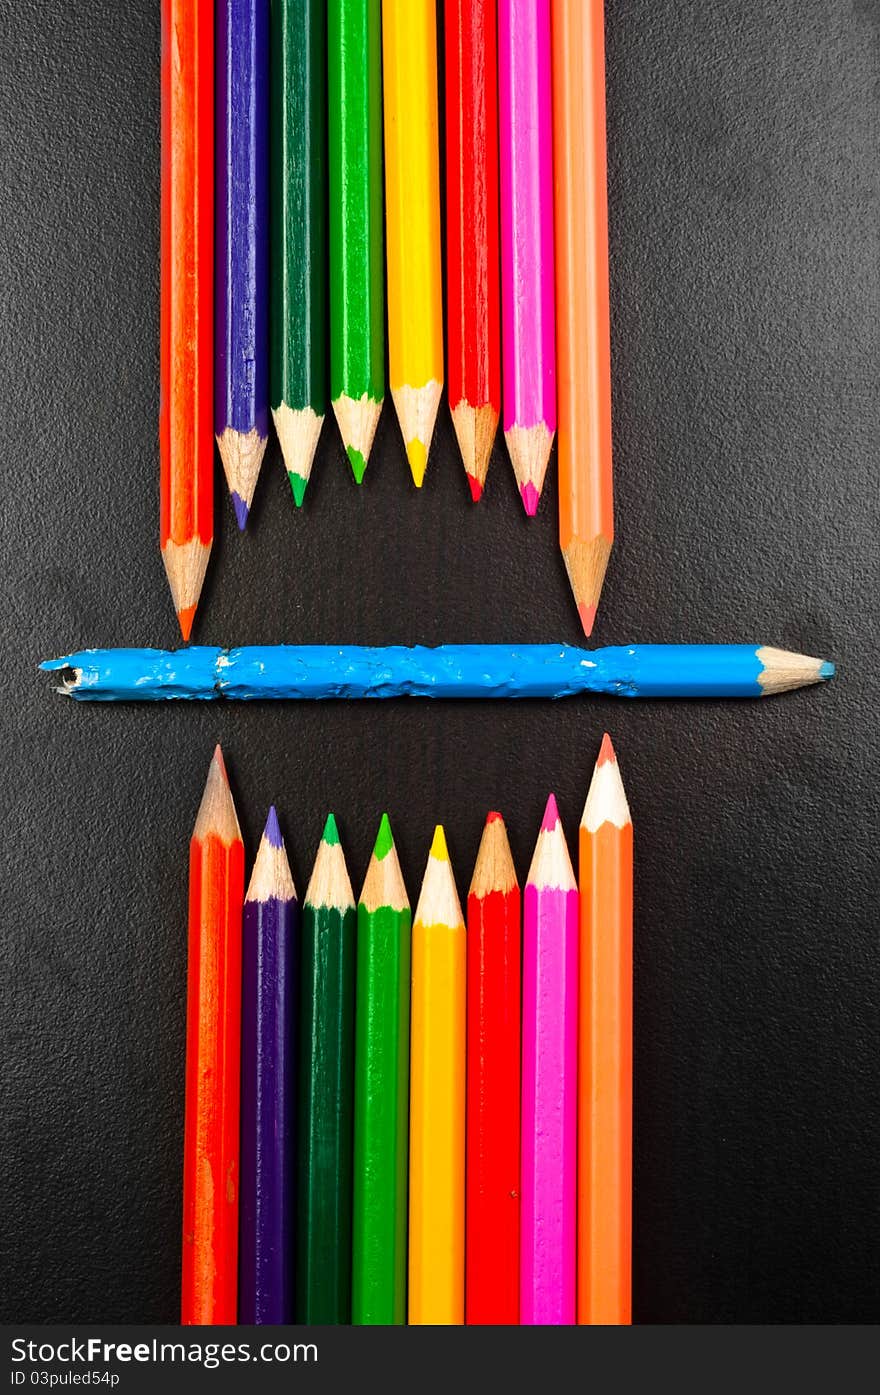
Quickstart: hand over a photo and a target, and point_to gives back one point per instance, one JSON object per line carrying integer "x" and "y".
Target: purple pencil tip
{"x": 241, "y": 510}
{"x": 551, "y": 815}
{"x": 272, "y": 831}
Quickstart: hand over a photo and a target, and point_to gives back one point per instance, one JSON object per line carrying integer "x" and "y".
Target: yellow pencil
{"x": 436, "y": 1139}
{"x": 412, "y": 222}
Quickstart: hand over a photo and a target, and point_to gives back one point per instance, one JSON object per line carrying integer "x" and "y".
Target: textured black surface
{"x": 744, "y": 144}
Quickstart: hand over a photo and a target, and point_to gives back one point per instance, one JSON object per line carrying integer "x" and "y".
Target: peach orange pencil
{"x": 209, "y": 1285}
{"x": 186, "y": 325}
{"x": 586, "y": 515}
{"x": 549, "y": 1081}
{"x": 605, "y": 1050}
{"x": 527, "y": 289}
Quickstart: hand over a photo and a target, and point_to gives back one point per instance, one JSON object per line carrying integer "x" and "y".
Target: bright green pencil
{"x": 298, "y": 232}
{"x": 326, "y": 1063}
{"x": 357, "y": 284}
{"x": 381, "y": 1089}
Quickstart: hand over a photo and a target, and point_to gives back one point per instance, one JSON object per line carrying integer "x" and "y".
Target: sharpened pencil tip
{"x": 493, "y": 817}
{"x": 384, "y": 839}
{"x": 418, "y": 460}
{"x": 218, "y": 760}
{"x": 587, "y": 614}
{"x": 185, "y": 619}
{"x": 606, "y": 751}
{"x": 331, "y": 832}
{"x": 530, "y": 497}
{"x": 551, "y": 815}
{"x": 827, "y": 670}
{"x": 439, "y": 849}
{"x": 357, "y": 462}
{"x": 297, "y": 487}
{"x": 242, "y": 509}
{"x": 272, "y": 831}
{"x": 476, "y": 488}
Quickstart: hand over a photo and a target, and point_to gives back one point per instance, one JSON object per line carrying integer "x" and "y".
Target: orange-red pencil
{"x": 605, "y": 1050}
{"x": 213, "y": 1044}
{"x": 493, "y": 1084}
{"x": 583, "y": 338}
{"x": 186, "y": 329}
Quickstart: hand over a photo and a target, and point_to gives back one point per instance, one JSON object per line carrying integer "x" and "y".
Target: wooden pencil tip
{"x": 475, "y": 429}
{"x": 606, "y": 751}
{"x": 185, "y": 567}
{"x": 271, "y": 878}
{"x": 220, "y": 763}
{"x": 586, "y": 564}
{"x": 298, "y": 432}
{"x": 217, "y": 816}
{"x": 357, "y": 418}
{"x": 494, "y": 869}
{"x": 529, "y": 450}
{"x": 241, "y": 453}
{"x": 417, "y": 414}
{"x": 551, "y": 864}
{"x": 783, "y": 671}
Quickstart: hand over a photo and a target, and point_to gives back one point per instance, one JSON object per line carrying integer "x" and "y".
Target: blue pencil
{"x": 270, "y": 954}
{"x": 449, "y": 671}
{"x": 241, "y": 333}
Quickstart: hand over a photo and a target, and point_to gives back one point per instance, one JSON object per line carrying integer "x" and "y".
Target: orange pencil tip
{"x": 588, "y": 618}
{"x": 606, "y": 751}
{"x": 185, "y": 619}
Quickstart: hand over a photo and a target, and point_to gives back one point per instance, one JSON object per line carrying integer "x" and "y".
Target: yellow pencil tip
{"x": 438, "y": 847}
{"x": 418, "y": 460}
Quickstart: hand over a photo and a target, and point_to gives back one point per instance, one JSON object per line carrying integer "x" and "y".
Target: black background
{"x": 745, "y": 231}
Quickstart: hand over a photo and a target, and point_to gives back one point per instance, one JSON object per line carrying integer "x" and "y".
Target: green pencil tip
{"x": 358, "y": 464}
{"x": 384, "y": 840}
{"x": 298, "y": 486}
{"x": 331, "y": 832}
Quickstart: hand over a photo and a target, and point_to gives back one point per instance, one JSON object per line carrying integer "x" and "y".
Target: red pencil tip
{"x": 185, "y": 620}
{"x": 588, "y": 618}
{"x": 493, "y": 817}
{"x": 606, "y": 751}
{"x": 551, "y": 815}
{"x": 476, "y": 488}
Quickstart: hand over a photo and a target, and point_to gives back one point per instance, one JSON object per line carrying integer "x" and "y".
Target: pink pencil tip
{"x": 606, "y": 751}
{"x": 551, "y": 815}
{"x": 588, "y": 618}
{"x": 530, "y": 497}
{"x": 476, "y": 488}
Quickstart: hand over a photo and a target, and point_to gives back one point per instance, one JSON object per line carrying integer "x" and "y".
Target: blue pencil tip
{"x": 241, "y": 510}
{"x": 827, "y": 670}
{"x": 272, "y": 831}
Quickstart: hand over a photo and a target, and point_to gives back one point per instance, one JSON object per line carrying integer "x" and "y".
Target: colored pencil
{"x": 493, "y": 1083}
{"x": 450, "y": 671}
{"x": 186, "y": 333}
{"x": 412, "y": 218}
{"x": 549, "y": 1081}
{"x": 241, "y": 333}
{"x": 527, "y": 290}
{"x": 381, "y": 1088}
{"x": 357, "y": 271}
{"x": 583, "y": 334}
{"x": 326, "y": 1062}
{"x": 604, "y": 1286}
{"x": 437, "y": 1098}
{"x": 298, "y": 232}
{"x": 472, "y": 251}
{"x": 213, "y": 1026}
{"x": 270, "y": 963}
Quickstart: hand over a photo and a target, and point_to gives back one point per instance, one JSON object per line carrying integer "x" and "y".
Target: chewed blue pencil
{"x": 307, "y": 672}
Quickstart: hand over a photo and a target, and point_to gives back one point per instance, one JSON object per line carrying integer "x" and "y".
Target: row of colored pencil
{"x": 305, "y": 90}
{"x": 435, "y": 1123}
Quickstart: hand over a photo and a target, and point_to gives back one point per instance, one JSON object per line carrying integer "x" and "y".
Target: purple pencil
{"x": 549, "y": 1081}
{"x": 270, "y": 953}
{"x": 241, "y": 330}
{"x": 527, "y": 269}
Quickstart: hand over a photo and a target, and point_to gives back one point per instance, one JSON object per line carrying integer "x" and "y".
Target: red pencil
{"x": 213, "y": 1032}
{"x": 493, "y": 1083}
{"x": 186, "y": 329}
{"x": 472, "y": 254}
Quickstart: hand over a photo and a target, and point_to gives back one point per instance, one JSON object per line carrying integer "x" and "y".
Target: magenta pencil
{"x": 549, "y": 1081}
{"x": 525, "y": 115}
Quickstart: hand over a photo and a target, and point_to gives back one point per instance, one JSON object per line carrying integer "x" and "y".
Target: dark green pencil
{"x": 298, "y": 232}
{"x": 326, "y": 1083}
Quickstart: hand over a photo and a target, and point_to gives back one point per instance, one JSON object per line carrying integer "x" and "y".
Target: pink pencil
{"x": 527, "y": 316}
{"x": 549, "y": 1081}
